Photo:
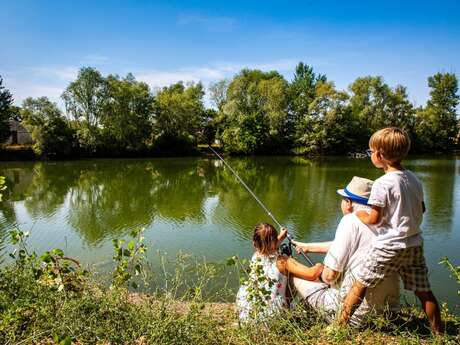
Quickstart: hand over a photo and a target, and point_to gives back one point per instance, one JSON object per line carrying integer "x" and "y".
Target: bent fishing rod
{"x": 290, "y": 238}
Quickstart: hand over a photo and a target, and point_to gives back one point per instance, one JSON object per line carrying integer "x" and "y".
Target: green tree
{"x": 376, "y": 105}
{"x": 126, "y": 116}
{"x": 327, "y": 126}
{"x": 437, "y": 124}
{"x": 178, "y": 116}
{"x": 49, "y": 129}
{"x": 84, "y": 100}
{"x": 255, "y": 113}
{"x": 6, "y": 100}
{"x": 302, "y": 90}
{"x": 218, "y": 93}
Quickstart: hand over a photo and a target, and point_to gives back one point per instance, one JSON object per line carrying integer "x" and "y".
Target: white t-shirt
{"x": 400, "y": 195}
{"x": 347, "y": 252}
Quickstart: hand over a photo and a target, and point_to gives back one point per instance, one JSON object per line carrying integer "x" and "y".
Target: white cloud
{"x": 157, "y": 78}
{"x": 65, "y": 73}
{"x": 51, "y": 81}
{"x": 39, "y": 82}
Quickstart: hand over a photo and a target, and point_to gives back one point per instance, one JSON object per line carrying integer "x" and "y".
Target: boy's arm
{"x": 373, "y": 217}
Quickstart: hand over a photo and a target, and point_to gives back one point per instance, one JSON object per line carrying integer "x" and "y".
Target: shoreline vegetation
{"x": 10, "y": 153}
{"x": 52, "y": 299}
{"x": 254, "y": 112}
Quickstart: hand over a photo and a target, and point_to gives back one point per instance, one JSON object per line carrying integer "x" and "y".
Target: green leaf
{"x": 45, "y": 257}
{"x": 58, "y": 252}
{"x": 66, "y": 341}
{"x": 231, "y": 261}
{"x": 131, "y": 245}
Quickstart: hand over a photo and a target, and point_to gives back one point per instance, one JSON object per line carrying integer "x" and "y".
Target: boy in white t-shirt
{"x": 397, "y": 212}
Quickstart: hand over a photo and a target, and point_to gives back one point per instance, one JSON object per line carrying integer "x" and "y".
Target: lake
{"x": 197, "y": 206}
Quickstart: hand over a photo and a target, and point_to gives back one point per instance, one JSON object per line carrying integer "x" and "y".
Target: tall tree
{"x": 437, "y": 124}
{"x": 178, "y": 116}
{"x": 84, "y": 100}
{"x": 126, "y": 116}
{"x": 255, "y": 112}
{"x": 6, "y": 100}
{"x": 48, "y": 127}
{"x": 327, "y": 127}
{"x": 218, "y": 93}
{"x": 375, "y": 105}
{"x": 302, "y": 89}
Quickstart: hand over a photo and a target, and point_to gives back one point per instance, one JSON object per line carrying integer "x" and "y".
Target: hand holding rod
{"x": 290, "y": 238}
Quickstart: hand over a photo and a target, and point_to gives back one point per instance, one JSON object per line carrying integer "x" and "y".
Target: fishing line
{"x": 290, "y": 238}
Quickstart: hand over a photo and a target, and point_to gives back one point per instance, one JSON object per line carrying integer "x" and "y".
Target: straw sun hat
{"x": 358, "y": 190}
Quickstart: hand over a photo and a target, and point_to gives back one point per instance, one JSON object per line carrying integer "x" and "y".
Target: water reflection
{"x": 106, "y": 198}
{"x": 438, "y": 179}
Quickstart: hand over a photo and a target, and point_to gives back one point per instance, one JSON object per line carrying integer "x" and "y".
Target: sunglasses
{"x": 369, "y": 152}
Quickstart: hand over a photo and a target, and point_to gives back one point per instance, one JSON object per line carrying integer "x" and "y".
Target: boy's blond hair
{"x": 392, "y": 142}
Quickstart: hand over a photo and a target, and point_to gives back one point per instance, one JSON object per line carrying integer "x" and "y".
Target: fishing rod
{"x": 290, "y": 238}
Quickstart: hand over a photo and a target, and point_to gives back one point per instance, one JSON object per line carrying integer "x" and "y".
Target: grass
{"x": 32, "y": 312}
{"x": 51, "y": 299}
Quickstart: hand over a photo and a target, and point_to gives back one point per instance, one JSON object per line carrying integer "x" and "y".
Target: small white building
{"x": 18, "y": 134}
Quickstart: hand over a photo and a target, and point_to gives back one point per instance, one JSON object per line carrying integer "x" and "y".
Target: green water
{"x": 196, "y": 205}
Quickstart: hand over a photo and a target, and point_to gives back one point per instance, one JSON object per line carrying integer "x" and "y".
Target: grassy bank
{"x": 52, "y": 299}
{"x": 35, "y": 309}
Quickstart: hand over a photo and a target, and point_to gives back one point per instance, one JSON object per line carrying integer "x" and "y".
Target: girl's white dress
{"x": 264, "y": 292}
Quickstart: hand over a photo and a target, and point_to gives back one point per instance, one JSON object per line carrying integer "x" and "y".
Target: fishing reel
{"x": 286, "y": 249}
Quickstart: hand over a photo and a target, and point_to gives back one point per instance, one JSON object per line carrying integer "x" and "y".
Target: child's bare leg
{"x": 352, "y": 302}
{"x": 431, "y": 308}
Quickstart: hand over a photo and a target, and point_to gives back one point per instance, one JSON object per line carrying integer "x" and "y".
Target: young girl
{"x": 264, "y": 292}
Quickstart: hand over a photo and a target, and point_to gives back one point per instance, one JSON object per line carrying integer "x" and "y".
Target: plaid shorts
{"x": 408, "y": 262}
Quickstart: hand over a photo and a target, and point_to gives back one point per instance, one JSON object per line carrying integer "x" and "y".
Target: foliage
{"x": 6, "y": 100}
{"x": 437, "y": 125}
{"x": 218, "y": 93}
{"x": 178, "y": 116}
{"x": 51, "y": 132}
{"x": 129, "y": 259}
{"x": 33, "y": 313}
{"x": 2, "y": 186}
{"x": 454, "y": 270}
{"x": 255, "y": 113}
{"x": 327, "y": 127}
{"x": 52, "y": 268}
{"x": 375, "y": 105}
{"x": 21, "y": 254}
{"x": 126, "y": 115}
{"x": 302, "y": 91}
{"x": 84, "y": 100}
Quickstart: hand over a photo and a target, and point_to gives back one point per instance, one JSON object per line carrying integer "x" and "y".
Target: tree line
{"x": 254, "y": 112}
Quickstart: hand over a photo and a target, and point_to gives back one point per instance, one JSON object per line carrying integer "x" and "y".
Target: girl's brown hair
{"x": 265, "y": 239}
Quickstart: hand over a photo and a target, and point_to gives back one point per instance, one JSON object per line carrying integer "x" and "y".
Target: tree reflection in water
{"x": 101, "y": 199}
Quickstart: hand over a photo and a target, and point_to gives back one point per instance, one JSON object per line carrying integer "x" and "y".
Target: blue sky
{"x": 44, "y": 43}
